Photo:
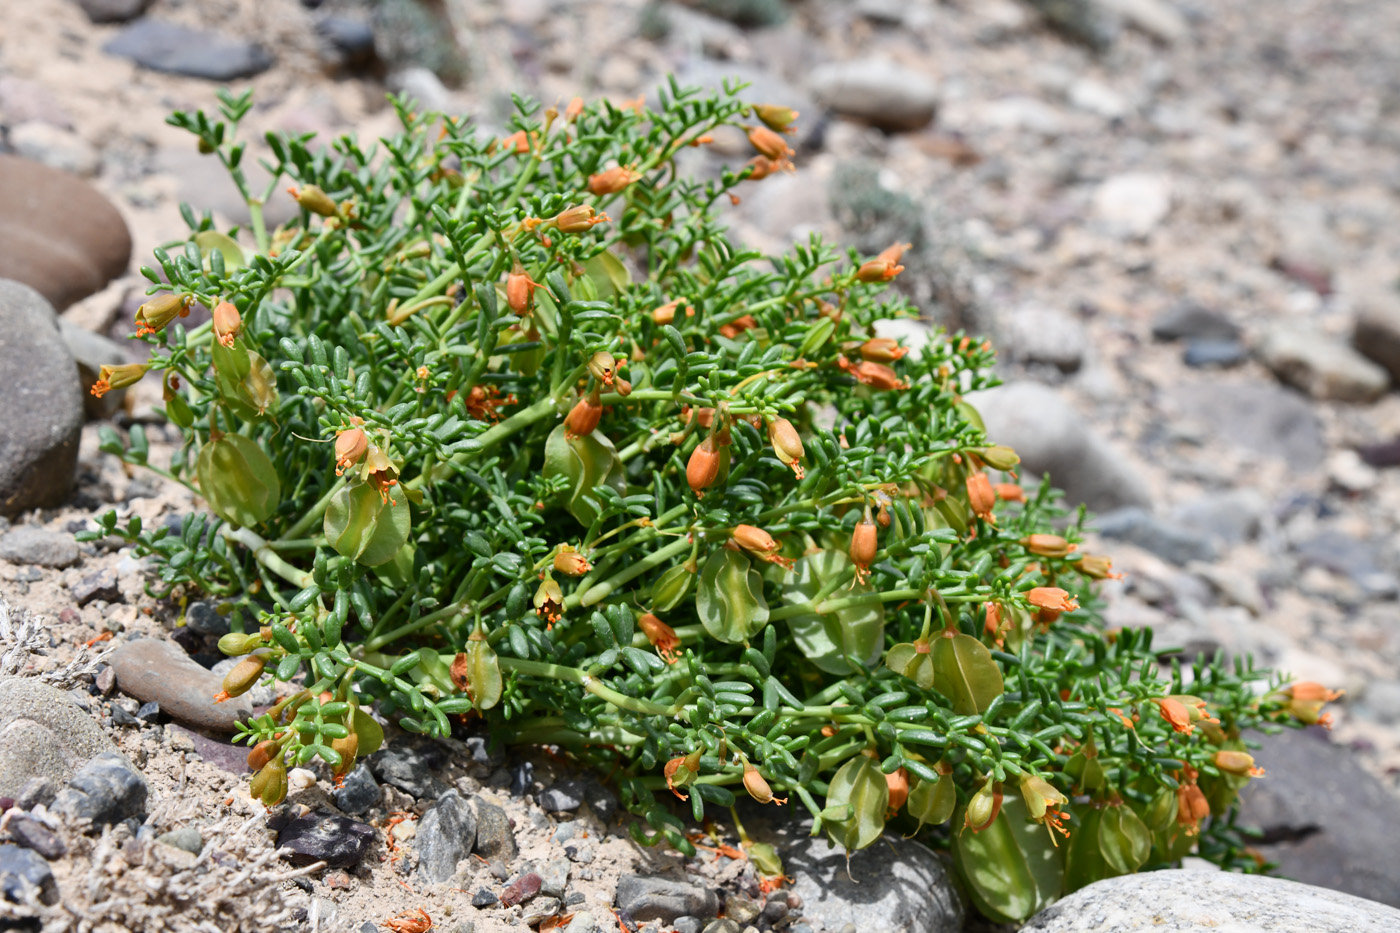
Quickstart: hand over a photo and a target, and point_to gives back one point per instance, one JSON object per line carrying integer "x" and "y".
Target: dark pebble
{"x": 149, "y": 712}
{"x": 32, "y": 834}
{"x": 495, "y": 837}
{"x": 100, "y": 585}
{"x": 484, "y": 898}
{"x": 35, "y": 791}
{"x": 190, "y": 641}
{"x": 203, "y": 618}
{"x": 24, "y": 875}
{"x": 338, "y": 841}
{"x": 195, "y": 53}
{"x": 358, "y": 792}
{"x": 522, "y": 778}
{"x": 562, "y": 796}
{"x": 105, "y": 790}
{"x": 410, "y": 767}
{"x": 105, "y": 680}
{"x": 1381, "y": 455}
{"x": 1208, "y": 351}
{"x": 1192, "y": 321}
{"x": 120, "y": 717}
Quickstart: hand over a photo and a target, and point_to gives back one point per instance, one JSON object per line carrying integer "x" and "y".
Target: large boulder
{"x": 895, "y": 885}
{"x": 58, "y": 235}
{"x": 43, "y": 734}
{"x": 44, "y": 406}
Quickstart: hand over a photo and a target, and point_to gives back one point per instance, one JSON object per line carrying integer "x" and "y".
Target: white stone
{"x": 1098, "y": 98}
{"x": 1158, "y": 19}
{"x": 878, "y": 91}
{"x": 1023, "y": 113}
{"x": 55, "y": 147}
{"x": 1180, "y": 901}
{"x": 1309, "y": 359}
{"x": 1132, "y": 205}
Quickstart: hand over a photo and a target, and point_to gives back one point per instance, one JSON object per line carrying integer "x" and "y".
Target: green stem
{"x": 264, "y": 554}
{"x": 600, "y": 591}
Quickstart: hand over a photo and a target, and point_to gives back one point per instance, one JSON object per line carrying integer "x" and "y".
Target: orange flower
{"x": 769, "y": 143}
{"x": 155, "y": 314}
{"x": 1052, "y": 598}
{"x": 612, "y": 180}
{"x": 1176, "y": 714}
{"x": 583, "y": 417}
{"x": 1009, "y": 492}
{"x": 996, "y": 625}
{"x": 227, "y": 322}
{"x": 118, "y": 377}
{"x": 738, "y": 326}
{"x": 787, "y": 444}
{"x": 1306, "y": 700}
{"x": 865, "y": 541}
{"x": 520, "y": 291}
{"x": 761, "y": 544}
{"x": 757, "y": 787}
{"x": 1047, "y": 545}
{"x": 764, "y": 166}
{"x": 882, "y": 350}
{"x": 568, "y": 560}
{"x": 874, "y": 271}
{"x": 579, "y": 219}
{"x": 703, "y": 467}
{"x": 1191, "y": 804}
{"x": 1096, "y": 567}
{"x": 1238, "y": 763}
{"x": 662, "y": 637}
{"x": 898, "y": 783}
{"x": 980, "y": 496}
{"x": 1043, "y": 802}
{"x": 350, "y": 448}
{"x": 876, "y": 375}
{"x": 549, "y": 602}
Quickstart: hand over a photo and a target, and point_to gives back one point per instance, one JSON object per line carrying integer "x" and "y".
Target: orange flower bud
{"x": 882, "y": 350}
{"x": 313, "y": 199}
{"x": 1009, "y": 492}
{"x": 665, "y": 314}
{"x": 761, "y": 544}
{"x": 1047, "y": 545}
{"x": 1238, "y": 763}
{"x": 764, "y": 166}
{"x": 578, "y": 219}
{"x": 612, "y": 180}
{"x": 875, "y": 271}
{"x": 350, "y": 449}
{"x": 1306, "y": 700}
{"x": 569, "y": 561}
{"x": 769, "y": 143}
{"x": 757, "y": 787}
{"x": 519, "y": 141}
{"x": 738, "y": 326}
{"x": 1308, "y": 690}
{"x": 571, "y": 112}
{"x": 623, "y": 387}
{"x": 980, "y": 497}
{"x": 893, "y": 254}
{"x": 865, "y": 541}
{"x": 583, "y": 417}
{"x": 703, "y": 468}
{"x": 776, "y": 118}
{"x": 898, "y": 783}
{"x": 520, "y": 291}
{"x": 662, "y": 637}
{"x": 876, "y": 375}
{"x": 118, "y": 377}
{"x": 153, "y": 316}
{"x": 1176, "y": 714}
{"x": 1052, "y": 598}
{"x": 242, "y": 678}
{"x": 227, "y": 322}
{"x": 262, "y": 753}
{"x": 787, "y": 444}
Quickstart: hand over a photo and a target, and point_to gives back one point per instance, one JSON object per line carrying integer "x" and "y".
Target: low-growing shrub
{"x": 507, "y": 429}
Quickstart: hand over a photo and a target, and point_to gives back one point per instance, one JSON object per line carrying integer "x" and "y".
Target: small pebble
{"x": 485, "y": 898}
{"x": 186, "y": 837}
{"x": 33, "y": 834}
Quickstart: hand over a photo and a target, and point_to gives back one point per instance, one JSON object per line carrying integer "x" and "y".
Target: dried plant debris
{"x": 23, "y": 636}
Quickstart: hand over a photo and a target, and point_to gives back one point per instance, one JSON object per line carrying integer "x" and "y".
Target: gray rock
{"x": 1133, "y": 205}
{"x": 409, "y": 766}
{"x": 100, "y": 584}
{"x": 1208, "y": 352}
{"x": 56, "y": 147}
{"x": 539, "y": 910}
{"x": 1162, "y": 537}
{"x": 741, "y": 909}
{"x": 562, "y": 796}
{"x": 41, "y": 246}
{"x": 1261, "y": 418}
{"x": 1326, "y": 820}
{"x": 39, "y": 433}
{"x": 646, "y": 897}
{"x": 338, "y": 841}
{"x": 495, "y": 839}
{"x": 1348, "y": 557}
{"x": 36, "y": 790}
{"x": 91, "y": 352}
{"x": 113, "y": 11}
{"x": 359, "y": 792}
{"x": 445, "y": 836}
{"x": 688, "y": 925}
{"x": 1377, "y": 333}
{"x": 878, "y": 92}
{"x": 1052, "y": 438}
{"x": 33, "y": 834}
{"x": 229, "y": 757}
{"x": 25, "y": 877}
{"x": 1310, "y": 360}
{"x": 194, "y": 53}
{"x": 894, "y": 885}
{"x": 44, "y": 736}
{"x": 155, "y": 669}
{"x": 554, "y": 876}
{"x": 28, "y": 544}
{"x": 349, "y": 41}
{"x": 485, "y": 898}
{"x": 1156, "y": 18}
{"x": 724, "y": 925}
{"x": 186, "y": 837}
{"x": 1083, "y": 21}
{"x": 205, "y": 619}
{"x": 1227, "y": 517}
{"x": 1038, "y": 334}
{"x": 585, "y": 922}
{"x": 1382, "y": 700}
{"x": 1182, "y": 901}
{"x": 108, "y": 789}
{"x": 1189, "y": 321}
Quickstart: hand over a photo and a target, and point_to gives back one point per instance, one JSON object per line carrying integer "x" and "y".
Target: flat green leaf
{"x": 360, "y": 525}
{"x": 238, "y": 480}
{"x": 1011, "y": 868}
{"x": 931, "y": 802}
{"x": 826, "y": 638}
{"x": 1124, "y": 840}
{"x": 859, "y": 785}
{"x": 730, "y": 599}
{"x": 210, "y": 240}
{"x": 587, "y": 463}
{"x": 966, "y": 673}
{"x": 370, "y": 733}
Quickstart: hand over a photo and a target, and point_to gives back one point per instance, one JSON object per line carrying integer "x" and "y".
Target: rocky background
{"x": 1179, "y": 220}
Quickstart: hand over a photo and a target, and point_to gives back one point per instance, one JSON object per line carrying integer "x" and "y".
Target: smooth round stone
{"x": 151, "y": 669}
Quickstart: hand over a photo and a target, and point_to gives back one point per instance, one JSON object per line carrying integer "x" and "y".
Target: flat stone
{"x": 1187, "y": 320}
{"x": 647, "y": 897}
{"x": 409, "y": 766}
{"x": 338, "y": 841}
{"x": 44, "y": 736}
{"x": 1377, "y": 333}
{"x": 44, "y": 411}
{"x": 1264, "y": 419}
{"x": 25, "y": 877}
{"x": 358, "y": 792}
{"x": 895, "y": 885}
{"x": 1052, "y": 438}
{"x": 1182, "y": 901}
{"x": 1327, "y": 369}
{"x": 106, "y": 790}
{"x": 28, "y": 544}
{"x": 113, "y": 11}
{"x": 155, "y": 669}
{"x": 878, "y": 92}
{"x": 1208, "y": 352}
{"x": 1350, "y": 557}
{"x": 33, "y": 834}
{"x": 1162, "y": 537}
{"x": 495, "y": 839}
{"x": 194, "y": 53}
{"x": 41, "y": 246}
{"x": 187, "y": 838}
{"x": 100, "y": 584}
{"x": 445, "y": 836}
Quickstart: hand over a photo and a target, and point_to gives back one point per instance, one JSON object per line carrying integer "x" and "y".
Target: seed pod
{"x": 578, "y": 219}
{"x": 567, "y": 560}
{"x": 703, "y": 468}
{"x": 270, "y": 784}
{"x": 769, "y": 143}
{"x": 583, "y": 417}
{"x": 1239, "y": 763}
{"x": 1097, "y": 567}
{"x": 757, "y": 787}
{"x": 242, "y": 678}
{"x": 262, "y": 753}
{"x": 787, "y": 444}
{"x": 983, "y": 808}
{"x": 779, "y": 119}
{"x": 313, "y": 199}
{"x": 671, "y": 588}
{"x": 153, "y": 316}
{"x": 347, "y": 748}
{"x": 999, "y": 457}
{"x": 237, "y": 644}
{"x": 227, "y": 322}
{"x": 933, "y": 802}
{"x": 865, "y": 541}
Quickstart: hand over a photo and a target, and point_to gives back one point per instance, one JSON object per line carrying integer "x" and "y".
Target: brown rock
{"x": 151, "y": 669}
{"x": 58, "y": 235}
